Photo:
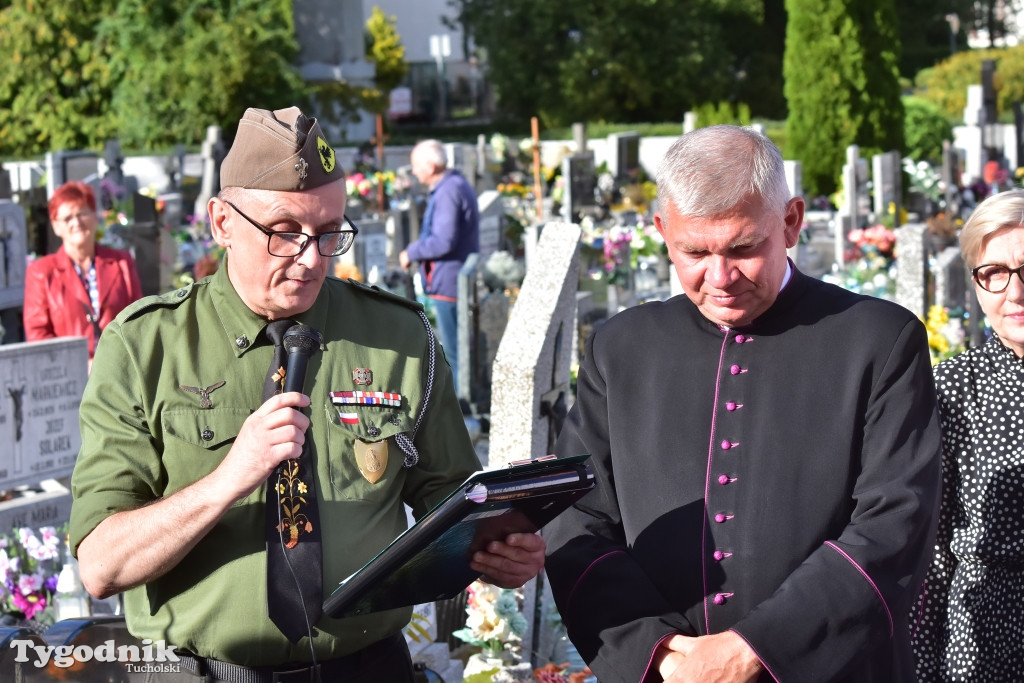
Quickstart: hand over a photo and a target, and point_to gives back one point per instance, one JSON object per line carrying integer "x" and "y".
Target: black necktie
{"x": 293, "y": 525}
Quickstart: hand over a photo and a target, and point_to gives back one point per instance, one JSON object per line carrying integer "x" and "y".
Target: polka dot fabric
{"x": 970, "y": 621}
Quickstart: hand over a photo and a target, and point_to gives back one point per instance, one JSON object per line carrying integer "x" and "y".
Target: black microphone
{"x": 301, "y": 342}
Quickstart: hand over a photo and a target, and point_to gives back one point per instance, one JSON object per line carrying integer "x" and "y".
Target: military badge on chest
{"x": 369, "y": 410}
{"x": 372, "y": 459}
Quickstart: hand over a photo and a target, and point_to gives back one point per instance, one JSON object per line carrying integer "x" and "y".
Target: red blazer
{"x": 56, "y": 301}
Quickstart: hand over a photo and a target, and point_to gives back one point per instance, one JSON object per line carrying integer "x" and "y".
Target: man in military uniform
{"x": 171, "y": 499}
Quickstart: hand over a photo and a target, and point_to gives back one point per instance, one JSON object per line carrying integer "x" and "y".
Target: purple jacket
{"x": 450, "y": 233}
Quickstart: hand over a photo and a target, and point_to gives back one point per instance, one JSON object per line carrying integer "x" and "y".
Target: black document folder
{"x": 430, "y": 560}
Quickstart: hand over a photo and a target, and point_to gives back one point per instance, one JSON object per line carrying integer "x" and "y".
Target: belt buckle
{"x": 306, "y": 674}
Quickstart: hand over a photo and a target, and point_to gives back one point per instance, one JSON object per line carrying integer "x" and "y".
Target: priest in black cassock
{"x": 766, "y": 448}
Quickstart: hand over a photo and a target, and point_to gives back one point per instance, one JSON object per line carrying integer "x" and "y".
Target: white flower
{"x": 30, "y": 583}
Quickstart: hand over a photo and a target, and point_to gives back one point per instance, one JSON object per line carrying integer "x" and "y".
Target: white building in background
{"x": 418, "y": 20}
{"x": 433, "y": 50}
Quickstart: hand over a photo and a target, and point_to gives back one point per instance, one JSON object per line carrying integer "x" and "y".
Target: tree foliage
{"x": 621, "y": 60}
{"x": 56, "y": 84}
{"x": 925, "y": 129}
{"x": 842, "y": 84}
{"x": 184, "y": 65}
{"x": 945, "y": 85}
{"x": 150, "y": 74}
{"x": 384, "y": 48}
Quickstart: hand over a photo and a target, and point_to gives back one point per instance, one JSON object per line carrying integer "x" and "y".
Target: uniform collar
{"x": 242, "y": 327}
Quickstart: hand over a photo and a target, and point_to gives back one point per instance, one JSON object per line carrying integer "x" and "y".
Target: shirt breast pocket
{"x": 364, "y": 461}
{"x": 196, "y": 441}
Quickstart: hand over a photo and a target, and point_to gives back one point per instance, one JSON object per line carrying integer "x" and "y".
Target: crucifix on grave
{"x": 379, "y": 140}
{"x": 535, "y": 132}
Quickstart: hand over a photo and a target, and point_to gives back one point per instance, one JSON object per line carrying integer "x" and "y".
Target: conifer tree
{"x": 841, "y": 85}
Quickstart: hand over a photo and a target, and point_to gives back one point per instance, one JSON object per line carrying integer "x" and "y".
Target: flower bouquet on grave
{"x": 945, "y": 334}
{"x": 29, "y": 565}
{"x": 494, "y": 623}
{"x": 870, "y": 263}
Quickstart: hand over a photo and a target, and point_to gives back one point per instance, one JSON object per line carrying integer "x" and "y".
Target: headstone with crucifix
{"x": 41, "y": 385}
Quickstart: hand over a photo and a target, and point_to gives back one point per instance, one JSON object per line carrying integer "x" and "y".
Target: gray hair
{"x": 432, "y": 151}
{"x": 1003, "y": 210}
{"x": 709, "y": 171}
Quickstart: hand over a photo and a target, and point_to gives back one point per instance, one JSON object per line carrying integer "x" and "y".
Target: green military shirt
{"x": 147, "y": 432}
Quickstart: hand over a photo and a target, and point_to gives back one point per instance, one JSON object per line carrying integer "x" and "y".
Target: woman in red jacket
{"x": 78, "y": 290}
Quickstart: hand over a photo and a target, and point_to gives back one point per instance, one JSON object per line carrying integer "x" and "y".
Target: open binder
{"x": 430, "y": 560}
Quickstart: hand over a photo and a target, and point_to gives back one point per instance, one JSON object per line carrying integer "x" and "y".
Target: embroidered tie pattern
{"x": 294, "y": 560}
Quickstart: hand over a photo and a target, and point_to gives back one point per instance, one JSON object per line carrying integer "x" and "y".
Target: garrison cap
{"x": 282, "y": 150}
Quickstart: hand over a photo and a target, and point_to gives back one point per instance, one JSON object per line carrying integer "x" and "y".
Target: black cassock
{"x": 779, "y": 480}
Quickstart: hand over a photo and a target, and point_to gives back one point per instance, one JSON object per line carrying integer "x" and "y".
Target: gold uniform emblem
{"x": 372, "y": 459}
{"x": 327, "y": 159}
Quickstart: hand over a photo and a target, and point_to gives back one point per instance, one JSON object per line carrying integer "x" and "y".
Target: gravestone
{"x": 950, "y": 273}
{"x": 794, "y": 178}
{"x": 579, "y": 137}
{"x": 492, "y": 320}
{"x": 465, "y": 307}
{"x": 689, "y": 122}
{"x": 41, "y": 385}
{"x": 64, "y": 165}
{"x": 530, "y": 387}
{"x": 492, "y": 223}
{"x": 912, "y": 268}
{"x": 886, "y": 174}
{"x": 580, "y": 180}
{"x": 624, "y": 156}
{"x": 213, "y": 153}
{"x": 462, "y": 157}
{"x": 143, "y": 238}
{"x": 849, "y": 218}
{"x": 5, "y": 184}
{"x": 369, "y": 253}
{"x": 13, "y": 241}
{"x": 950, "y": 173}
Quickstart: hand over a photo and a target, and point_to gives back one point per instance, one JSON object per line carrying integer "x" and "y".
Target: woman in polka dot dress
{"x": 970, "y": 623}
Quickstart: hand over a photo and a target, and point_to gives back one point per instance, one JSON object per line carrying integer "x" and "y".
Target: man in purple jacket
{"x": 449, "y": 234}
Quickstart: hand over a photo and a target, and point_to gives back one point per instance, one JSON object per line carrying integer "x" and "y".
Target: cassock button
{"x": 724, "y": 479}
{"x": 730, "y": 406}
{"x": 242, "y": 342}
{"x": 721, "y": 517}
{"x": 720, "y": 598}
{"x": 719, "y": 555}
{"x": 740, "y": 339}
{"x": 736, "y": 370}
{"x": 726, "y": 444}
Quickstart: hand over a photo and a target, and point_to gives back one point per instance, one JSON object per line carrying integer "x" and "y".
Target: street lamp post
{"x": 440, "y": 48}
{"x": 954, "y": 27}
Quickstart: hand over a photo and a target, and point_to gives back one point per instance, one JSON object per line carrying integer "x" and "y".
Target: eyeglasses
{"x": 995, "y": 279}
{"x": 289, "y": 244}
{"x": 81, "y": 216}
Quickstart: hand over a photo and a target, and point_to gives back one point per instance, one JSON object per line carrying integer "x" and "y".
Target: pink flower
{"x": 29, "y": 604}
